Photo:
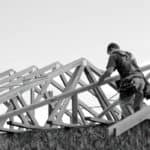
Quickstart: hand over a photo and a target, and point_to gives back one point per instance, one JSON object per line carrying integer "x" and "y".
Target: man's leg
{"x": 139, "y": 96}
{"x": 126, "y": 104}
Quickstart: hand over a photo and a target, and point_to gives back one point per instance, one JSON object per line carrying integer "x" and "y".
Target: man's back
{"x": 124, "y": 63}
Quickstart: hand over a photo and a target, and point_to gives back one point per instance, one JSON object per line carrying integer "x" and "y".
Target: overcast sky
{"x": 39, "y": 32}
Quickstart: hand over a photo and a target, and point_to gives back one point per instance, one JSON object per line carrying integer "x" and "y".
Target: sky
{"x": 40, "y": 32}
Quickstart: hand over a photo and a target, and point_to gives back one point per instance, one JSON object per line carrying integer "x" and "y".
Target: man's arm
{"x": 106, "y": 74}
{"x": 134, "y": 62}
{"x": 111, "y": 65}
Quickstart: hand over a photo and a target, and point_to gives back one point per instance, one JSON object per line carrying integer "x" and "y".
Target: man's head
{"x": 111, "y": 47}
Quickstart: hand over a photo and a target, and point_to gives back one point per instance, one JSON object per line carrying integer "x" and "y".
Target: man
{"x": 132, "y": 81}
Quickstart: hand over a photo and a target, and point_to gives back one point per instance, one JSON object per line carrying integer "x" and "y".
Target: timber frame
{"x": 64, "y": 91}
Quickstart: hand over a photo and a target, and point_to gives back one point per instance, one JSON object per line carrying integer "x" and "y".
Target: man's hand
{"x": 106, "y": 74}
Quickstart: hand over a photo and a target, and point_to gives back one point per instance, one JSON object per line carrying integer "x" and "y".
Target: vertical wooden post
{"x": 74, "y": 109}
{"x": 50, "y": 108}
{"x": 11, "y": 118}
{"x": 32, "y": 95}
{"x": 11, "y": 106}
{"x": 32, "y": 99}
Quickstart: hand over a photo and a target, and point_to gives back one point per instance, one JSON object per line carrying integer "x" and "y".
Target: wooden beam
{"x": 69, "y": 114}
{"x": 63, "y": 79}
{"x": 29, "y": 113}
{"x": 16, "y": 78}
{"x": 87, "y": 108}
{"x": 51, "y": 67}
{"x": 58, "y": 86}
{"x": 25, "y": 126}
{"x": 71, "y": 85}
{"x": 97, "y": 91}
{"x": 6, "y": 73}
{"x": 82, "y": 83}
{"x": 3, "y": 76}
{"x": 65, "y": 125}
{"x": 3, "y": 121}
{"x": 50, "y": 108}
{"x": 99, "y": 72}
{"x": 61, "y": 124}
{"x": 108, "y": 109}
{"x": 16, "y": 106}
{"x": 74, "y": 109}
{"x": 98, "y": 120}
{"x": 11, "y": 118}
{"x": 129, "y": 122}
{"x": 81, "y": 114}
{"x": 42, "y": 92}
{"x": 32, "y": 93}
{"x": 10, "y": 130}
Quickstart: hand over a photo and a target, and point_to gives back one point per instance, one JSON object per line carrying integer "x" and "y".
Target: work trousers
{"x": 133, "y": 103}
